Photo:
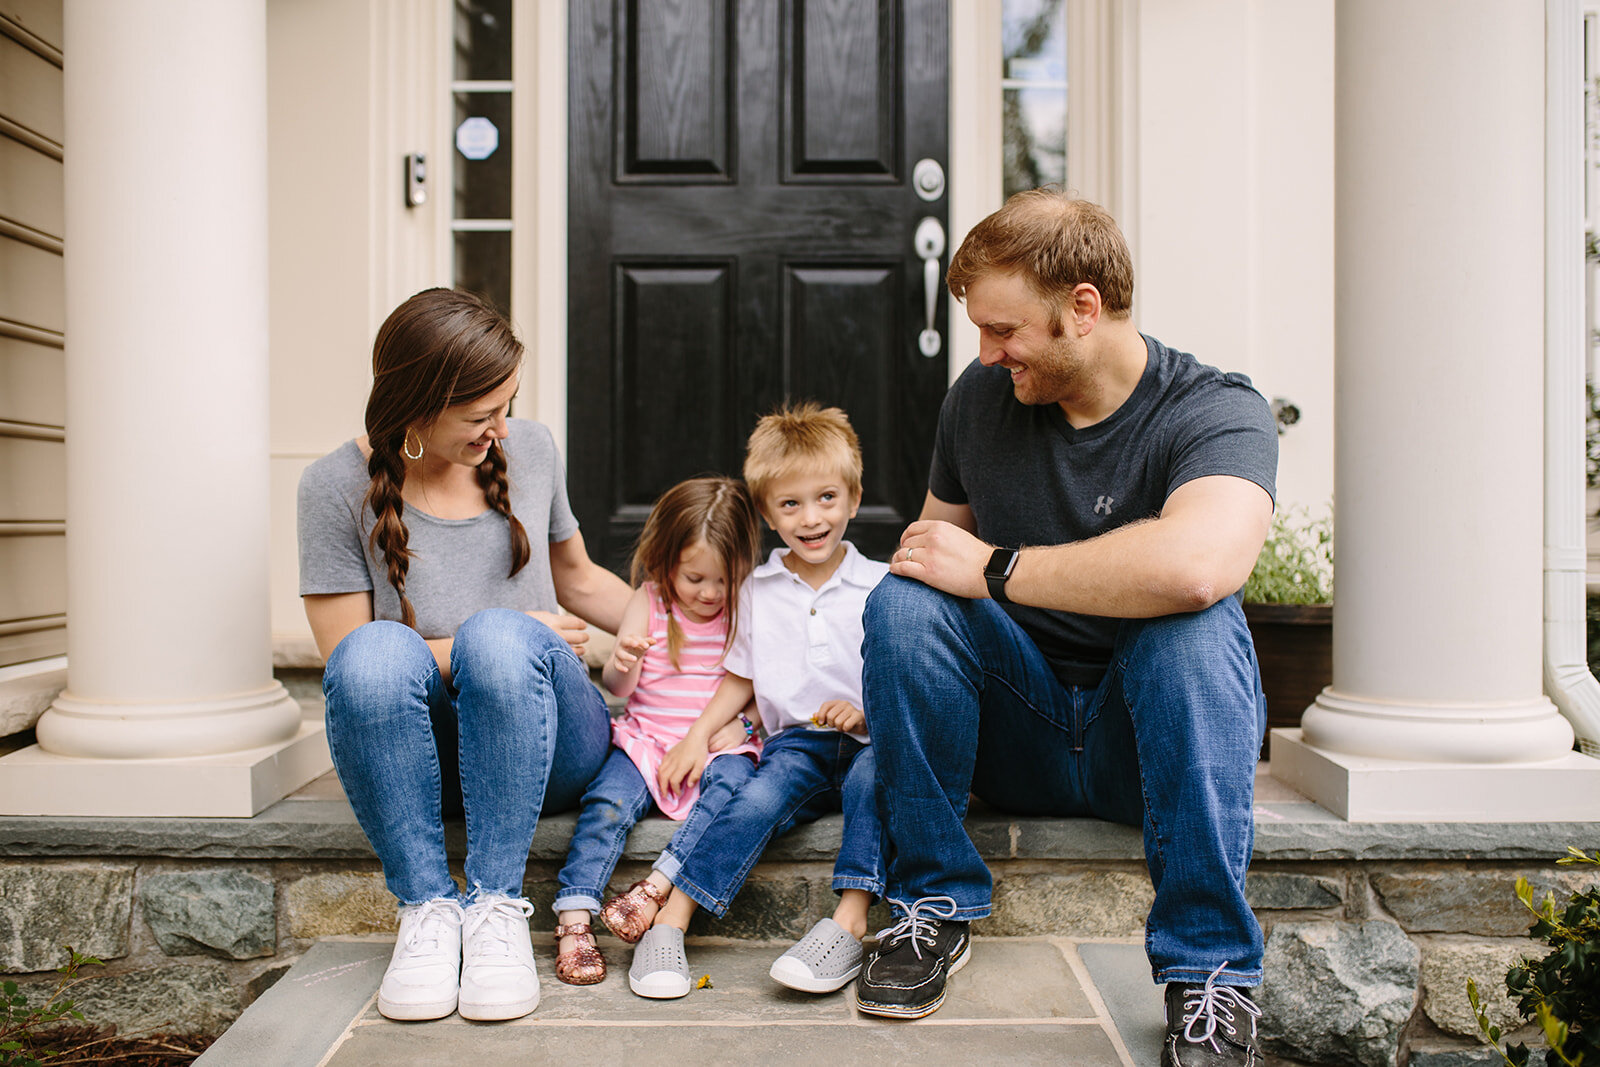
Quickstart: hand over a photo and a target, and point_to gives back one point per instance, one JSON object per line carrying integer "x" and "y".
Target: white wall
{"x": 1236, "y": 205}
{"x": 352, "y": 88}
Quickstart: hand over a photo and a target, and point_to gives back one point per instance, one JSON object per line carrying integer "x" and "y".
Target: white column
{"x": 169, "y": 684}
{"x": 1436, "y": 710}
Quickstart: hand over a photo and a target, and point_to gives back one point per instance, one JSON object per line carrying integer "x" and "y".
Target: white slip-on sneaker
{"x": 498, "y": 980}
{"x": 824, "y": 960}
{"x": 425, "y": 970}
{"x": 660, "y": 969}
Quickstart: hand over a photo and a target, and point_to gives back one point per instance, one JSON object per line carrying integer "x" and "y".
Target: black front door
{"x": 741, "y": 231}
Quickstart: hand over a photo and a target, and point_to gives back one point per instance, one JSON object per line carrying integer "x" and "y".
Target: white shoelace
{"x": 431, "y": 917}
{"x": 918, "y": 924}
{"x": 1213, "y": 1005}
{"x": 498, "y": 913}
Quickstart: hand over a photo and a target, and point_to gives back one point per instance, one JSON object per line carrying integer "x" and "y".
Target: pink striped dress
{"x": 669, "y": 699}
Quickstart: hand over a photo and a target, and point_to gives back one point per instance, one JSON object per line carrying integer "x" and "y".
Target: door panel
{"x": 843, "y": 103}
{"x": 740, "y": 233}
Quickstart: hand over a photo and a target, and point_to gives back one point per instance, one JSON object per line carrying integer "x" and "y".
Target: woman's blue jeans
{"x": 803, "y": 775}
{"x": 960, "y": 700}
{"x": 518, "y": 730}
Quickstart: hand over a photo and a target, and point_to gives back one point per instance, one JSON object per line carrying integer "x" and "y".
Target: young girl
{"x": 698, "y": 546}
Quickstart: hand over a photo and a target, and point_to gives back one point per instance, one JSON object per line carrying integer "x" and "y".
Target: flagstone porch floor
{"x": 1020, "y": 1000}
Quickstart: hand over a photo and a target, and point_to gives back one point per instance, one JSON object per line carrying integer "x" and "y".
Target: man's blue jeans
{"x": 803, "y": 775}
{"x": 518, "y": 730}
{"x": 959, "y": 700}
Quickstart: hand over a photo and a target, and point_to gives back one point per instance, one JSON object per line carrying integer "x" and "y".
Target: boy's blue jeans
{"x": 613, "y": 803}
{"x": 960, "y": 700}
{"x": 803, "y": 775}
{"x": 520, "y": 727}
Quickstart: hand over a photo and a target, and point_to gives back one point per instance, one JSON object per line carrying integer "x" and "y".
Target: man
{"x": 1063, "y": 636}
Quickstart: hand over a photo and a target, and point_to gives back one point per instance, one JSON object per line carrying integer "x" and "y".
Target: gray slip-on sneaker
{"x": 826, "y": 959}
{"x": 660, "y": 969}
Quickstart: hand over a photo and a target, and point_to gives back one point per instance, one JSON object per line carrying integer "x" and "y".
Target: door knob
{"x": 929, "y": 245}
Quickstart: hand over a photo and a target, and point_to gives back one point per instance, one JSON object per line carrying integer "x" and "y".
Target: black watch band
{"x": 1001, "y": 563}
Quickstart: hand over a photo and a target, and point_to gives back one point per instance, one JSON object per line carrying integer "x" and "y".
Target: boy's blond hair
{"x": 801, "y": 437}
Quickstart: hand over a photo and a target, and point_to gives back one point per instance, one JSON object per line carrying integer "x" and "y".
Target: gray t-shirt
{"x": 1032, "y": 479}
{"x": 458, "y": 566}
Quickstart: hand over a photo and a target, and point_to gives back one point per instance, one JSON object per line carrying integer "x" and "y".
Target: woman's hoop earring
{"x": 405, "y": 445}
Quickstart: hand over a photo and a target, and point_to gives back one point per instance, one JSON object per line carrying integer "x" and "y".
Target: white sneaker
{"x": 424, "y": 972}
{"x": 660, "y": 970}
{"x": 826, "y": 959}
{"x": 498, "y": 980}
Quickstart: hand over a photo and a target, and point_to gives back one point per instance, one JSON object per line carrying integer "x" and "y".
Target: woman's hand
{"x": 573, "y": 630}
{"x": 625, "y": 654}
{"x": 730, "y": 736}
{"x": 842, "y": 716}
{"x": 683, "y": 764}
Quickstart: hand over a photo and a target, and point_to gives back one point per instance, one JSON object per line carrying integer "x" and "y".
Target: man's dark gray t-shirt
{"x": 1030, "y": 478}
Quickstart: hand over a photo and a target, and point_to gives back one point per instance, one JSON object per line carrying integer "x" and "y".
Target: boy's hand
{"x": 730, "y": 736}
{"x": 682, "y": 765}
{"x": 842, "y": 716}
{"x": 626, "y": 652}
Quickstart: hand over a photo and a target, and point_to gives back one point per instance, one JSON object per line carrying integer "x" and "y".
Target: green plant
{"x": 1562, "y": 991}
{"x": 20, "y": 1024}
{"x": 1296, "y": 562}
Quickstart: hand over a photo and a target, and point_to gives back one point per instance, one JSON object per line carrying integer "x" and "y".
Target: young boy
{"x": 798, "y": 652}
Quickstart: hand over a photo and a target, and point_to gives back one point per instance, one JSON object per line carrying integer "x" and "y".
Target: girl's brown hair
{"x": 712, "y": 509}
{"x": 440, "y": 348}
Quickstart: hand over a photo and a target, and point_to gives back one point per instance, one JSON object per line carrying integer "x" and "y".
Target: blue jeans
{"x": 1168, "y": 741}
{"x": 519, "y": 729}
{"x": 611, "y": 806}
{"x": 803, "y": 775}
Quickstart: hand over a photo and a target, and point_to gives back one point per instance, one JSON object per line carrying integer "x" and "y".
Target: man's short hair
{"x": 802, "y": 437}
{"x": 1055, "y": 242}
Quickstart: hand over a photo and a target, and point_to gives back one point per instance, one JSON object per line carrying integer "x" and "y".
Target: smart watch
{"x": 999, "y": 568}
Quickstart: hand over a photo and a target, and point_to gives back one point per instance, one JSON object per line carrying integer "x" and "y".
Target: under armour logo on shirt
{"x": 1103, "y": 505}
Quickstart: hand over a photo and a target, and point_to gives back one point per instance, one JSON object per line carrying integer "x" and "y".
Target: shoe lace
{"x": 920, "y": 923}
{"x": 1213, "y": 1006}
{"x": 497, "y": 913}
{"x": 431, "y": 916}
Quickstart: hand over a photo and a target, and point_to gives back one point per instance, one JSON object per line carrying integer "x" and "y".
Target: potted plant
{"x": 1288, "y": 602}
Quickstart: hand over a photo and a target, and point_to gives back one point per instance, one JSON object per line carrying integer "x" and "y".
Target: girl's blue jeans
{"x": 803, "y": 775}
{"x": 960, "y": 700}
{"x": 616, "y": 800}
{"x": 518, "y": 730}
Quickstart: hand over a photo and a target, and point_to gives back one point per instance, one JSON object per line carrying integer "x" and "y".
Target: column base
{"x": 1370, "y": 789}
{"x": 228, "y": 785}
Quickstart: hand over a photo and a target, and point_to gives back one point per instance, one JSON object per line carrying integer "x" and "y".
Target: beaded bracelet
{"x": 749, "y": 727}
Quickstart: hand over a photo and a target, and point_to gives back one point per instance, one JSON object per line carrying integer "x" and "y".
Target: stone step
{"x": 195, "y": 917}
{"x": 1019, "y": 1000}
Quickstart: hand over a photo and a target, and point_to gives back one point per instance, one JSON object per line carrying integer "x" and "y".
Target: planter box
{"x": 1294, "y": 645}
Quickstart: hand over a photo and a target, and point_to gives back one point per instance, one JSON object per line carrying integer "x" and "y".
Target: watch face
{"x": 1000, "y": 563}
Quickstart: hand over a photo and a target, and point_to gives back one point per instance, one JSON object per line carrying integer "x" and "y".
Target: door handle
{"x": 929, "y": 244}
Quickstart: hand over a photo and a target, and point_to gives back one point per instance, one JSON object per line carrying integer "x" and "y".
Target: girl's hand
{"x": 682, "y": 765}
{"x": 627, "y": 651}
{"x": 573, "y": 630}
{"x": 842, "y": 716}
{"x": 730, "y": 736}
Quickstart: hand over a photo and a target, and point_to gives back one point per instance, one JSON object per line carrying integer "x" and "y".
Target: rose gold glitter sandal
{"x": 583, "y": 965}
{"x": 626, "y": 916}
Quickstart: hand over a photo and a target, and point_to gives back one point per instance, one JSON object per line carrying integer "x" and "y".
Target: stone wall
{"x": 1366, "y": 961}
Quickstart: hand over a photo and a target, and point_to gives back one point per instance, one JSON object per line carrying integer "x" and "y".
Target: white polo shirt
{"x": 802, "y": 646}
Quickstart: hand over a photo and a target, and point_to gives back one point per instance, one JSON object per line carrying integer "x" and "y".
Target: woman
{"x": 433, "y": 553}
